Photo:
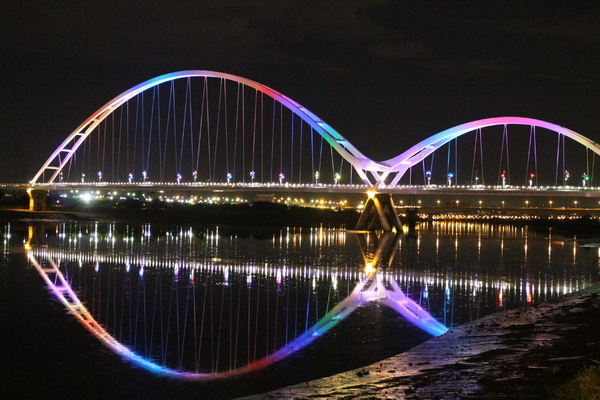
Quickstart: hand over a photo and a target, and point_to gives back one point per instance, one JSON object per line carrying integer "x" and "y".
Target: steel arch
{"x": 401, "y": 163}
{"x": 67, "y": 148}
{"x": 380, "y": 171}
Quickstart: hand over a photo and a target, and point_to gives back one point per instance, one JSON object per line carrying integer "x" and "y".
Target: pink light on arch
{"x": 401, "y": 163}
{"x": 380, "y": 171}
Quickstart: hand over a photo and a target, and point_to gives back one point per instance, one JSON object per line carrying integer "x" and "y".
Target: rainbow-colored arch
{"x": 373, "y": 173}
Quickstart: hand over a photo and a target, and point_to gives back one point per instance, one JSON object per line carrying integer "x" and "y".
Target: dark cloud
{"x": 397, "y": 50}
{"x": 393, "y": 69}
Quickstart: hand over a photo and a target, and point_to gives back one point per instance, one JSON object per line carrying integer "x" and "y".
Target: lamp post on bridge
{"x": 179, "y": 178}
{"x": 317, "y": 177}
{"x": 99, "y": 176}
{"x": 144, "y": 176}
{"x": 450, "y": 176}
{"x": 503, "y": 176}
{"x": 585, "y": 178}
{"x": 531, "y": 176}
{"x": 336, "y": 178}
{"x": 229, "y": 177}
{"x": 567, "y": 175}
{"x": 195, "y": 175}
{"x": 252, "y": 175}
{"x": 129, "y": 177}
{"x": 82, "y": 178}
{"x": 428, "y": 174}
{"x": 281, "y": 178}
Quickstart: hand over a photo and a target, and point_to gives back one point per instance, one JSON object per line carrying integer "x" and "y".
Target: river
{"x": 207, "y": 300}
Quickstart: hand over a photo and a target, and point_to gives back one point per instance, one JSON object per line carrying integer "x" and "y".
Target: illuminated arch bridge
{"x": 204, "y": 126}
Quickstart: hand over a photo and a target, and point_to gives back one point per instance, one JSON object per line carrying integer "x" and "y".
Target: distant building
{"x": 270, "y": 197}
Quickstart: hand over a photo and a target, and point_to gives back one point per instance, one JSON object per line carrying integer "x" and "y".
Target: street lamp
{"x": 195, "y": 175}
{"x": 99, "y": 176}
{"x": 179, "y": 177}
{"x": 503, "y": 176}
{"x": 585, "y": 178}
{"x": 144, "y": 175}
{"x": 229, "y": 177}
{"x": 129, "y": 177}
{"x": 336, "y": 177}
{"x": 281, "y": 178}
{"x": 531, "y": 176}
{"x": 317, "y": 177}
{"x": 252, "y": 175}
{"x": 566, "y": 177}
{"x": 428, "y": 174}
{"x": 450, "y": 176}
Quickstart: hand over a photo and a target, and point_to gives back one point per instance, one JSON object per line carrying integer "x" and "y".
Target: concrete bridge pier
{"x": 37, "y": 199}
{"x": 379, "y": 214}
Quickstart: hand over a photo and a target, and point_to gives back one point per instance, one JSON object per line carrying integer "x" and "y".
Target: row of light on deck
{"x": 338, "y": 184}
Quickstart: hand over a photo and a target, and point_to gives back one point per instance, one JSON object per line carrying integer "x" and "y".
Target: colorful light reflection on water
{"x": 208, "y": 301}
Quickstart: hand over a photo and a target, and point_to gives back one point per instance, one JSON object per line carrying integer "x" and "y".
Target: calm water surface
{"x": 210, "y": 299}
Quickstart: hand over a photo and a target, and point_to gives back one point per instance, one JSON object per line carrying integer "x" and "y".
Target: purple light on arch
{"x": 401, "y": 163}
{"x": 379, "y": 171}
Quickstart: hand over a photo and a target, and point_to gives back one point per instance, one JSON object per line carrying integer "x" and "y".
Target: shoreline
{"x": 268, "y": 215}
{"x": 520, "y": 354}
{"x": 257, "y": 215}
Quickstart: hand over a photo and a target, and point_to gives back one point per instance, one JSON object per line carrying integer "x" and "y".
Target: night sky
{"x": 385, "y": 74}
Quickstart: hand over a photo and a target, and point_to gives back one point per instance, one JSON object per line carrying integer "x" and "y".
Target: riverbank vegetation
{"x": 585, "y": 386}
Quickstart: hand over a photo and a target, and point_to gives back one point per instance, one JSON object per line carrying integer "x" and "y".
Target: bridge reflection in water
{"x": 203, "y": 305}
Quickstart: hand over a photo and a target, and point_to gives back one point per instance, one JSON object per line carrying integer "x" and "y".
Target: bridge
{"x": 196, "y": 133}
{"x": 213, "y": 132}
